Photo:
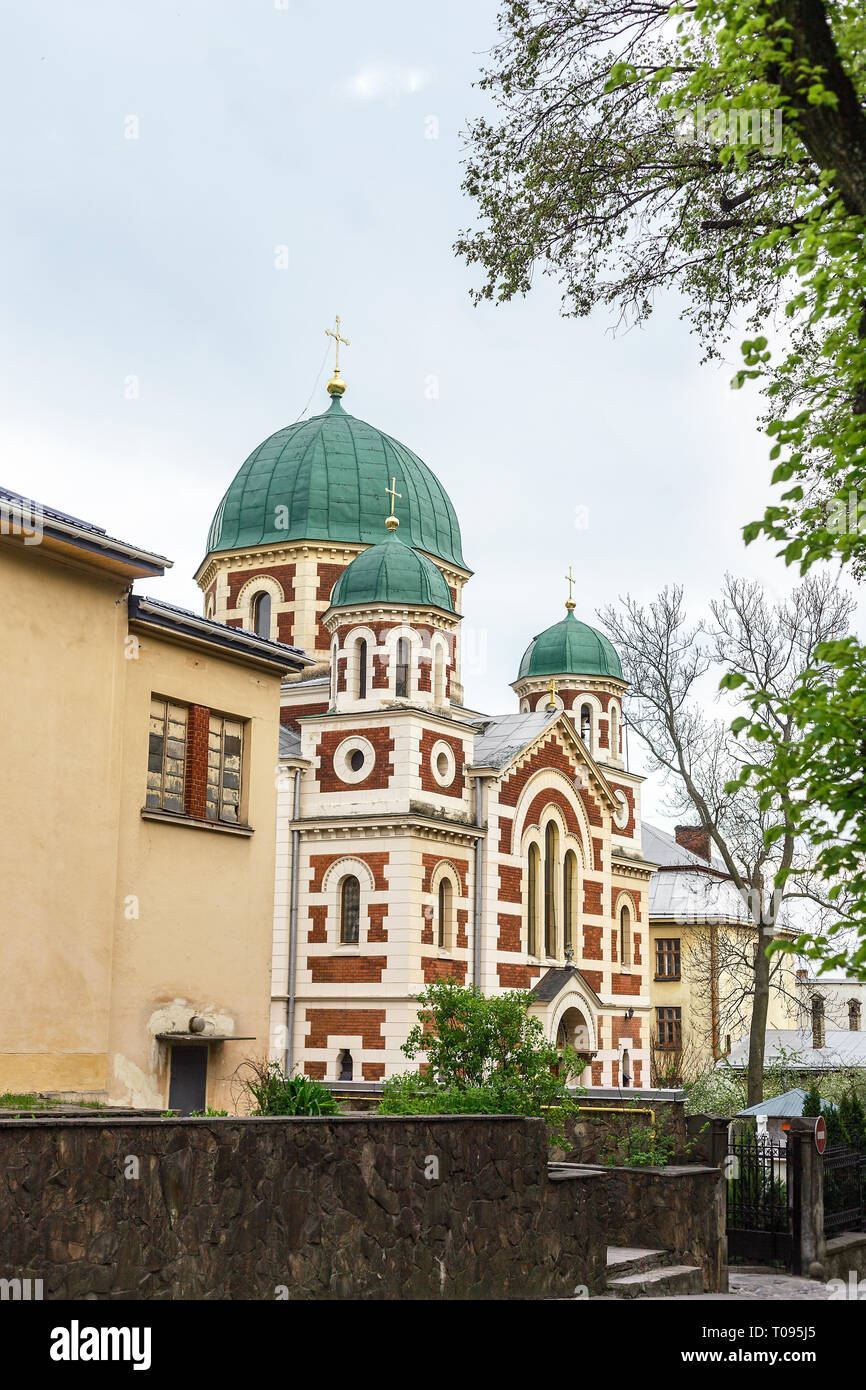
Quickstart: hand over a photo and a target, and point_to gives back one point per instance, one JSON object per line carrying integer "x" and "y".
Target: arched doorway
{"x": 573, "y": 1031}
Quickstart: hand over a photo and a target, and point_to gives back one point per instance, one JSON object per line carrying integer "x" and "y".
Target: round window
{"x": 621, "y": 814}
{"x": 354, "y": 759}
{"x": 443, "y": 763}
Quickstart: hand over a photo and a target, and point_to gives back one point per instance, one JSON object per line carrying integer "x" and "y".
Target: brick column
{"x": 195, "y": 779}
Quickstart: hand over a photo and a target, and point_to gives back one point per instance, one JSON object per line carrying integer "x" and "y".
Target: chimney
{"x": 854, "y": 1015}
{"x": 694, "y": 838}
{"x": 817, "y": 1021}
{"x": 801, "y": 974}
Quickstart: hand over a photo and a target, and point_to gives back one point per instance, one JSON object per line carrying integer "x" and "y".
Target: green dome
{"x": 570, "y": 648}
{"x": 330, "y": 474}
{"x": 392, "y": 573}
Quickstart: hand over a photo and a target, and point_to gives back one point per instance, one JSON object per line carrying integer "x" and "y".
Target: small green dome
{"x": 325, "y": 479}
{"x": 570, "y": 648}
{"x": 392, "y": 573}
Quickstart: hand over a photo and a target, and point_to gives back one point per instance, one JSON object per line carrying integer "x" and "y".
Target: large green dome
{"x": 570, "y": 648}
{"x": 329, "y": 474}
{"x": 392, "y": 573}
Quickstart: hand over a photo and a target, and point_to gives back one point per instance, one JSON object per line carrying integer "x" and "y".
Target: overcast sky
{"x": 192, "y": 191}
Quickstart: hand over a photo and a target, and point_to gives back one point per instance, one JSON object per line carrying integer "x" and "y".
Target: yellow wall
{"x": 692, "y": 995}
{"x": 88, "y": 982}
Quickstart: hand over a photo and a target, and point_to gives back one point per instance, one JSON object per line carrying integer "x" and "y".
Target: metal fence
{"x": 844, "y": 1190}
{"x": 761, "y": 1201}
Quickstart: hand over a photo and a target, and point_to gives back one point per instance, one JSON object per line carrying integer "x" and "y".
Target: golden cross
{"x": 570, "y": 578}
{"x": 552, "y": 690}
{"x": 393, "y": 494}
{"x": 339, "y": 340}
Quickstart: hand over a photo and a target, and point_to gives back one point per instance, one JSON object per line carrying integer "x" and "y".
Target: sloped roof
{"x": 843, "y": 1049}
{"x": 787, "y": 1104}
{"x": 683, "y": 889}
{"x": 290, "y": 743}
{"x": 500, "y": 739}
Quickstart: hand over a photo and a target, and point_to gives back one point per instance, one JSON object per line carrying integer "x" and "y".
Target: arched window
{"x": 347, "y": 1066}
{"x": 439, "y": 677}
{"x": 624, "y": 936}
{"x": 586, "y": 725}
{"x": 445, "y": 895}
{"x": 262, "y": 614}
{"x": 362, "y": 670}
{"x": 625, "y": 1070}
{"x": 551, "y": 880}
{"x": 401, "y": 685}
{"x": 569, "y": 893}
{"x": 350, "y": 909}
{"x": 614, "y": 732}
{"x": 533, "y": 869}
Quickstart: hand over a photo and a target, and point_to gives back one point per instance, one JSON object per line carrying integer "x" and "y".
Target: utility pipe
{"x": 293, "y": 925}
{"x": 479, "y": 881}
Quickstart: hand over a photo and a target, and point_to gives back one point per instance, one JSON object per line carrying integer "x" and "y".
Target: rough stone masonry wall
{"x": 333, "y": 1207}
{"x": 681, "y": 1209}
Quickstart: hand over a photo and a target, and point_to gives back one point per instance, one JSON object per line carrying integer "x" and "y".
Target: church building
{"x": 417, "y": 838}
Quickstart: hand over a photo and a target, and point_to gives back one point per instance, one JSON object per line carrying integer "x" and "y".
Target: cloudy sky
{"x": 192, "y": 191}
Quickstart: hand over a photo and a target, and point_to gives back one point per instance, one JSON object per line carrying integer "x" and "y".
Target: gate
{"x": 762, "y": 1201}
{"x": 844, "y": 1190}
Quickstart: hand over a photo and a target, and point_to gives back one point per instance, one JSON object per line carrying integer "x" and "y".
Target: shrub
{"x": 273, "y": 1092}
{"x": 482, "y": 1055}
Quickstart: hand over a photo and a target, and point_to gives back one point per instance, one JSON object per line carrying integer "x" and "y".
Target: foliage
{"x": 272, "y": 1092}
{"x": 482, "y": 1055}
{"x": 722, "y": 1089}
{"x": 10, "y": 1100}
{"x": 640, "y": 1144}
{"x": 812, "y": 1104}
{"x": 208, "y": 1113}
{"x": 597, "y": 169}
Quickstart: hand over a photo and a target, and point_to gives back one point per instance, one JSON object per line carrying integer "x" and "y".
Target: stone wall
{"x": 681, "y": 1209}
{"x": 605, "y": 1121}
{"x": 334, "y": 1207}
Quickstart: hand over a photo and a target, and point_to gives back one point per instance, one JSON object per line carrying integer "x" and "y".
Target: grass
{"x": 9, "y": 1100}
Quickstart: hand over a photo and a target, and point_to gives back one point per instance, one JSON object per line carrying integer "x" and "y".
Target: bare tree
{"x": 665, "y": 659}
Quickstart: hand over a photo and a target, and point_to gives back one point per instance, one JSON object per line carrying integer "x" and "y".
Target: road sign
{"x": 820, "y": 1134}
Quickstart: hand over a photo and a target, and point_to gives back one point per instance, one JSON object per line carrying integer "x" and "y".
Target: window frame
{"x": 344, "y": 908}
{"x": 669, "y": 1020}
{"x": 668, "y": 950}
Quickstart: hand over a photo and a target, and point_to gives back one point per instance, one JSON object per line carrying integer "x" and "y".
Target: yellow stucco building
{"x": 702, "y": 944}
{"x": 139, "y": 748}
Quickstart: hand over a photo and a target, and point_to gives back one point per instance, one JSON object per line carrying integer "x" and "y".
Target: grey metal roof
{"x": 500, "y": 739}
{"x": 663, "y": 848}
{"x": 688, "y": 897}
{"x": 290, "y": 742}
{"x": 155, "y": 610}
{"x": 97, "y": 536}
{"x": 793, "y": 1047}
{"x": 787, "y": 1104}
{"x": 554, "y": 981}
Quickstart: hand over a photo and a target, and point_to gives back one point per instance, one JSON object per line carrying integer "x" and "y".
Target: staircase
{"x": 636, "y": 1273}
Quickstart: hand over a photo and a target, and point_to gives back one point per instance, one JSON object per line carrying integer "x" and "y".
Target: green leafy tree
{"x": 812, "y": 1103}
{"x": 599, "y": 167}
{"x": 482, "y": 1054}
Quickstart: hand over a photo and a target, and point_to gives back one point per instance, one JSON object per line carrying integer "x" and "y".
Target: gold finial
{"x": 569, "y": 602}
{"x": 552, "y": 691}
{"x": 336, "y": 386}
{"x": 392, "y": 522}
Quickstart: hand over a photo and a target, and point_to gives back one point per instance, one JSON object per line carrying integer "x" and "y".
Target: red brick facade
{"x": 380, "y": 773}
{"x": 430, "y": 861}
{"x": 376, "y": 914}
{"x": 435, "y": 969}
{"x": 195, "y": 772}
{"x": 346, "y": 970}
{"x": 429, "y": 738}
{"x": 375, "y": 861}
{"x": 363, "y": 1023}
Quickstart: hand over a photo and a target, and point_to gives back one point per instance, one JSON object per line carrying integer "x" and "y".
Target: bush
{"x": 482, "y": 1055}
{"x": 275, "y": 1093}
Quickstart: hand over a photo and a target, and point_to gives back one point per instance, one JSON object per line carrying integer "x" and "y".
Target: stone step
{"x": 630, "y": 1259}
{"x": 665, "y": 1281}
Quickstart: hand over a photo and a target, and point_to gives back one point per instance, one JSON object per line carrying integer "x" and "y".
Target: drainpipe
{"x": 293, "y": 925}
{"x": 479, "y": 881}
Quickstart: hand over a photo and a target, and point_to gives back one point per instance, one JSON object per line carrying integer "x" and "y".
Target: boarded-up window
{"x": 224, "y": 759}
{"x": 166, "y": 756}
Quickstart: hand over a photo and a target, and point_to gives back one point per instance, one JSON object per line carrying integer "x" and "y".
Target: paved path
{"x": 784, "y": 1288}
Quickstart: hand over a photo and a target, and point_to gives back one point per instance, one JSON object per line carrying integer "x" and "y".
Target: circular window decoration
{"x": 622, "y": 812}
{"x": 354, "y": 759}
{"x": 443, "y": 763}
